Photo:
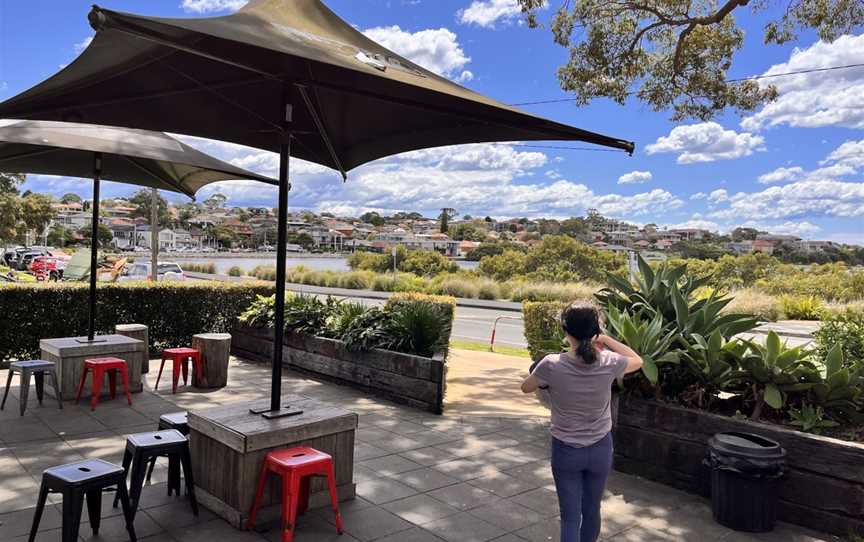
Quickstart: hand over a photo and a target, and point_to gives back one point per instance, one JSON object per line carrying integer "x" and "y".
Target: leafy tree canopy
{"x": 71, "y": 197}
{"x": 142, "y": 201}
{"x": 676, "y": 53}
{"x": 9, "y": 182}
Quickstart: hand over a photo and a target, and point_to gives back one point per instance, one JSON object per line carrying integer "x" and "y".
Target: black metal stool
{"x": 76, "y": 481}
{"x": 142, "y": 447}
{"x": 174, "y": 420}
{"x": 37, "y": 368}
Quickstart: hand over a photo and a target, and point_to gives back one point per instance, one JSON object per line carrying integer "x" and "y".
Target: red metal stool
{"x": 296, "y": 466}
{"x": 99, "y": 366}
{"x": 180, "y": 358}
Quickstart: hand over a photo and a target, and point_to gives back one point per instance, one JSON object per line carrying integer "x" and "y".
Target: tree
{"x": 574, "y": 227}
{"x": 744, "y": 234}
{"x": 676, "y": 53}
{"x": 303, "y": 239}
{"x": 466, "y": 232}
{"x": 504, "y": 266}
{"x": 58, "y": 236}
{"x": 103, "y": 235}
{"x": 444, "y": 218}
{"x": 142, "y": 201}
{"x": 427, "y": 263}
{"x": 71, "y": 198}
{"x": 36, "y": 212}
{"x": 215, "y": 201}
{"x": 373, "y": 218}
{"x": 560, "y": 258}
{"x": 224, "y": 235}
{"x": 9, "y": 182}
{"x": 10, "y": 214}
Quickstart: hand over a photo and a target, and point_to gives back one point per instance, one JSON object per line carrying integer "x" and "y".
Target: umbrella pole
{"x": 94, "y": 244}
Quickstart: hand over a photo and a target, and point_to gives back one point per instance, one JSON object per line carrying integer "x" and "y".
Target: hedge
{"x": 173, "y": 311}
{"x": 543, "y": 331}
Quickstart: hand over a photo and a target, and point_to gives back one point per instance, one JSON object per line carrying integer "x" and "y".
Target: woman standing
{"x": 579, "y": 384}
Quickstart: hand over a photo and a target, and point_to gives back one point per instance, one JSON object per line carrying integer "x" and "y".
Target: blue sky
{"x": 794, "y": 167}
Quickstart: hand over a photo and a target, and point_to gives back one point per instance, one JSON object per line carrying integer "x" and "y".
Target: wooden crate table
{"x": 69, "y": 354}
{"x": 229, "y": 444}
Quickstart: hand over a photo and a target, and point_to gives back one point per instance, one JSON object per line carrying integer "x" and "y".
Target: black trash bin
{"x": 745, "y": 476}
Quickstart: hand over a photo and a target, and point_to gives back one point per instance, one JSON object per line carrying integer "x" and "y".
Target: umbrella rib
{"x": 156, "y": 176}
{"x": 322, "y": 131}
{"x": 28, "y": 154}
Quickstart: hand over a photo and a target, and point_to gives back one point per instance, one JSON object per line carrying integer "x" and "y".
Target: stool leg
{"x": 290, "y": 489}
{"x": 199, "y": 370}
{"x": 112, "y": 382}
{"x": 24, "y": 391}
{"x": 40, "y": 506}
{"x": 136, "y": 481}
{"x": 6, "y": 393}
{"x": 186, "y": 460}
{"x": 98, "y": 376}
{"x": 303, "y": 500}
{"x": 40, "y": 385}
{"x": 127, "y": 460}
{"x": 73, "y": 504}
{"x": 150, "y": 470}
{"x": 94, "y": 509}
{"x": 81, "y": 385}
{"x": 184, "y": 364}
{"x": 173, "y": 474}
{"x": 159, "y": 376}
{"x": 334, "y": 496}
{"x": 128, "y": 514}
{"x": 259, "y": 494}
{"x": 56, "y": 386}
{"x": 175, "y": 374}
{"x": 124, "y": 374}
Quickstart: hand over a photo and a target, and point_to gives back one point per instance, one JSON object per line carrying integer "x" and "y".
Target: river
{"x": 248, "y": 263}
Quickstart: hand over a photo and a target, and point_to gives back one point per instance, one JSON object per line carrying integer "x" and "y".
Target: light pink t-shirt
{"x": 580, "y": 395}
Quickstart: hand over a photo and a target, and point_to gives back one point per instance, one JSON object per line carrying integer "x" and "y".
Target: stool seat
{"x": 105, "y": 363}
{"x": 83, "y": 471}
{"x": 297, "y": 457}
{"x": 32, "y": 364}
{"x": 179, "y": 359}
{"x": 155, "y": 439}
{"x": 98, "y": 367}
{"x": 180, "y": 351}
{"x": 175, "y": 420}
{"x": 38, "y": 368}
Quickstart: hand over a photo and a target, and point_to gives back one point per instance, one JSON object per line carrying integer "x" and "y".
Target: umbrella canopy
{"x": 137, "y": 157}
{"x": 280, "y": 75}
{"x": 358, "y": 101}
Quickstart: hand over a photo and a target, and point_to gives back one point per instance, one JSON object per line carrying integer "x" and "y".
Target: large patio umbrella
{"x": 281, "y": 75}
{"x": 130, "y": 156}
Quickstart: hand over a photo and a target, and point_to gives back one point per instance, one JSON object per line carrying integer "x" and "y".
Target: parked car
{"x": 47, "y": 268}
{"x": 141, "y": 271}
{"x": 24, "y": 259}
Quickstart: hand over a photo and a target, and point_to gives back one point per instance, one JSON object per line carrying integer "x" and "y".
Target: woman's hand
{"x": 600, "y": 342}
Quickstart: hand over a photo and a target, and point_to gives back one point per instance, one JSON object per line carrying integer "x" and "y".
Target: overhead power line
{"x": 736, "y": 80}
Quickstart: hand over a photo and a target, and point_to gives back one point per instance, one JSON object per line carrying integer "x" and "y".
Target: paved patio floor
{"x": 420, "y": 477}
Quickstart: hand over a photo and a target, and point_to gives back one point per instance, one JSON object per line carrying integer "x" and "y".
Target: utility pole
{"x": 154, "y": 234}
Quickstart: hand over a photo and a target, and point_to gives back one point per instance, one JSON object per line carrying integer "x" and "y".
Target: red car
{"x": 47, "y": 268}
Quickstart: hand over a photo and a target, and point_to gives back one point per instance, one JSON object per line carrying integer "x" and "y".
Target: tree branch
{"x": 714, "y": 18}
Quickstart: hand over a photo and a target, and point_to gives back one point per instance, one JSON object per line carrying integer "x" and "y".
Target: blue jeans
{"x": 580, "y": 478}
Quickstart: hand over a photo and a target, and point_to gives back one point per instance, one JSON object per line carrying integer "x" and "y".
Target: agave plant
{"x": 714, "y": 364}
{"x": 654, "y": 341}
{"x": 810, "y": 419}
{"x": 342, "y": 318}
{"x": 308, "y": 314}
{"x": 839, "y": 389}
{"x": 703, "y": 317}
{"x": 366, "y": 331}
{"x": 417, "y": 328}
{"x": 261, "y": 313}
{"x": 776, "y": 370}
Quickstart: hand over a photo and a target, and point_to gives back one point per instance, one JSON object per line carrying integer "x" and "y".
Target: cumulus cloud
{"x": 850, "y": 153}
{"x": 828, "y": 98}
{"x": 699, "y": 195}
{"x": 211, "y": 6}
{"x": 718, "y": 196}
{"x": 486, "y": 13}
{"x": 635, "y": 177}
{"x": 81, "y": 45}
{"x": 802, "y": 229}
{"x": 805, "y": 198}
{"x": 437, "y": 50}
{"x": 706, "y": 142}
{"x": 782, "y": 174}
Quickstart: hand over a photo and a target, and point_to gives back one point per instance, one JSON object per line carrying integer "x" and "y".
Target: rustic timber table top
{"x": 236, "y": 427}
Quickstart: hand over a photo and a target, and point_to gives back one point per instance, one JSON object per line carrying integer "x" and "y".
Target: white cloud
{"x": 826, "y": 98}
{"x": 437, "y": 50}
{"x": 802, "y": 229}
{"x": 805, "y": 198}
{"x": 81, "y": 45}
{"x": 706, "y": 142}
{"x": 782, "y": 174}
{"x": 211, "y": 6}
{"x": 699, "y": 195}
{"x": 850, "y": 153}
{"x": 718, "y": 196}
{"x": 635, "y": 177}
{"x": 486, "y": 13}
{"x": 695, "y": 222}
{"x": 465, "y": 76}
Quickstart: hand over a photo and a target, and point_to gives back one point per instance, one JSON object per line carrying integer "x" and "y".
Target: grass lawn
{"x": 483, "y": 347}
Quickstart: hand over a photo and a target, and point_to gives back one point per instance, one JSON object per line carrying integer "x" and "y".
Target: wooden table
{"x": 69, "y": 354}
{"x": 229, "y": 444}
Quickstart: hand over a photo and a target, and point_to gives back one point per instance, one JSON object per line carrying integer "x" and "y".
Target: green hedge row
{"x": 173, "y": 311}
{"x": 543, "y": 331}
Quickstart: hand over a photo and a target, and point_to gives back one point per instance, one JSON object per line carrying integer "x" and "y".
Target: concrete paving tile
{"x": 503, "y": 484}
{"x": 14, "y": 524}
{"x": 643, "y": 534}
{"x": 308, "y": 528}
{"x": 548, "y": 530}
{"x": 509, "y": 537}
{"x": 113, "y": 529}
{"x": 381, "y": 490}
{"x": 420, "y": 509}
{"x": 463, "y": 527}
{"x": 178, "y": 515}
{"x": 390, "y": 465}
{"x": 373, "y": 523}
{"x": 463, "y": 496}
{"x": 536, "y": 471}
{"x": 425, "y": 479}
{"x": 363, "y": 451}
{"x": 508, "y": 515}
{"x": 541, "y": 500}
{"x": 428, "y": 456}
{"x": 42, "y": 536}
{"x": 415, "y": 534}
{"x": 212, "y": 531}
{"x": 466, "y": 469}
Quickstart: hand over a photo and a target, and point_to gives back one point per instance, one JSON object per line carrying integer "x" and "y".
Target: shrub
{"x": 209, "y": 268}
{"x": 504, "y": 266}
{"x": 173, "y": 311}
{"x": 752, "y": 301}
{"x": 356, "y": 280}
{"x": 264, "y": 272}
{"x": 235, "y": 271}
{"x": 550, "y": 291}
{"x": 427, "y": 263}
{"x": 458, "y": 287}
{"x": 543, "y": 333}
{"x": 801, "y": 307}
{"x": 488, "y": 289}
{"x": 845, "y": 329}
{"x": 417, "y": 327}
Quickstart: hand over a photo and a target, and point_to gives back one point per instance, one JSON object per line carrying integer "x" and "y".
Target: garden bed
{"x": 407, "y": 379}
{"x": 824, "y": 488}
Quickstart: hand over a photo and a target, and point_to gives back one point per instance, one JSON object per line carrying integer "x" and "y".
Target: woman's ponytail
{"x": 586, "y": 351}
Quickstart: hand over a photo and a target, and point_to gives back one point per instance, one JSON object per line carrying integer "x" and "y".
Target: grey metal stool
{"x": 37, "y": 368}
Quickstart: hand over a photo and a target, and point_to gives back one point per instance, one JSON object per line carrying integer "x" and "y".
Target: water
{"x": 247, "y": 263}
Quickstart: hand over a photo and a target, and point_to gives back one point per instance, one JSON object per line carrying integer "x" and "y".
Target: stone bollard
{"x": 137, "y": 331}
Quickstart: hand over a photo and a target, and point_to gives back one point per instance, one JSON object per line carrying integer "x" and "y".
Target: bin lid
{"x": 746, "y": 445}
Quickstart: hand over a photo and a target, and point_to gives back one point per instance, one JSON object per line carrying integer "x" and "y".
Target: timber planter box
{"x": 412, "y": 380}
{"x": 823, "y": 490}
